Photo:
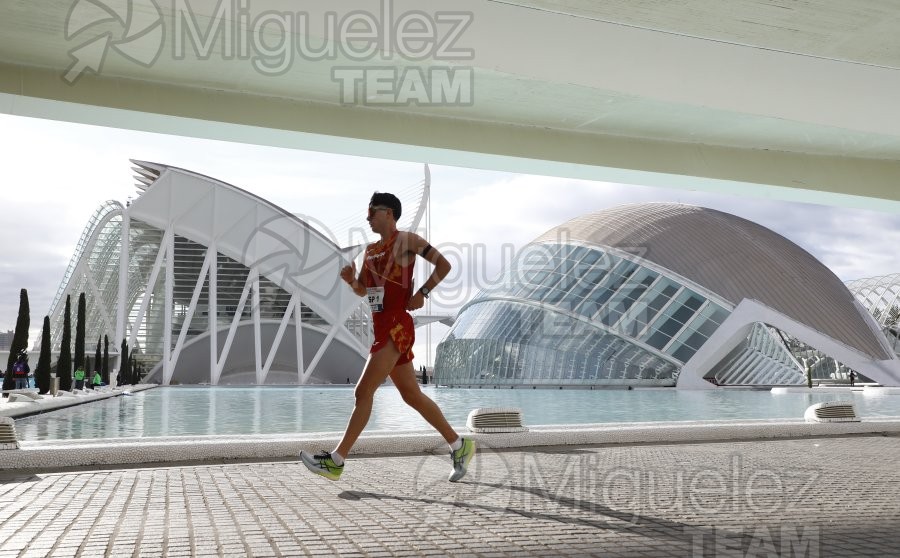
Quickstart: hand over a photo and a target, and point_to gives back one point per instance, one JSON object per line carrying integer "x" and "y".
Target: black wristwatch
{"x": 425, "y": 291}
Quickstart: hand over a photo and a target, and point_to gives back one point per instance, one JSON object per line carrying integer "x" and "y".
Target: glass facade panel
{"x": 626, "y": 296}
{"x": 621, "y": 305}
{"x": 544, "y": 347}
{"x": 697, "y": 332}
{"x": 611, "y": 283}
{"x": 647, "y": 308}
{"x": 673, "y": 319}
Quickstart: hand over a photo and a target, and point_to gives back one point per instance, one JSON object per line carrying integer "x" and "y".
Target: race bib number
{"x": 376, "y": 298}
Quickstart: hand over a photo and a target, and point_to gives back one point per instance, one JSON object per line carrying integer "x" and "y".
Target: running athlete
{"x": 386, "y": 280}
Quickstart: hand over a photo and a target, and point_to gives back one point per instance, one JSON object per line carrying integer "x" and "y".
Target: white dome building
{"x": 660, "y": 294}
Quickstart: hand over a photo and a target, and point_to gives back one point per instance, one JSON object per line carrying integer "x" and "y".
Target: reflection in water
{"x": 202, "y": 410}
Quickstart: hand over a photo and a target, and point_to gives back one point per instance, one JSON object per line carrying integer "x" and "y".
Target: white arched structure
{"x": 214, "y": 282}
{"x": 735, "y": 329}
{"x": 279, "y": 251}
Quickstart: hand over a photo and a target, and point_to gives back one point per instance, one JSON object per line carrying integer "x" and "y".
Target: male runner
{"x": 386, "y": 279}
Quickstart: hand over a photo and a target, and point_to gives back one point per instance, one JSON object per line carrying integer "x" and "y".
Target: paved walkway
{"x": 836, "y": 496}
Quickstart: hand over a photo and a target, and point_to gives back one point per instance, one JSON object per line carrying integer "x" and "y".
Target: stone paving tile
{"x": 811, "y": 497}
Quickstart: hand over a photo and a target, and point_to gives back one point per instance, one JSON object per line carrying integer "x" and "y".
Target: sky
{"x": 55, "y": 175}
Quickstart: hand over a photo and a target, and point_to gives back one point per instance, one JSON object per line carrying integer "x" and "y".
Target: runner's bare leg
{"x": 377, "y": 370}
{"x": 404, "y": 377}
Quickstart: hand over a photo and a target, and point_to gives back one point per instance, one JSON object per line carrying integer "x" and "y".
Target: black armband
{"x": 425, "y": 250}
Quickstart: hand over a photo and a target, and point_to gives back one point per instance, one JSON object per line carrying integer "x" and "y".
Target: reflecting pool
{"x": 202, "y": 410}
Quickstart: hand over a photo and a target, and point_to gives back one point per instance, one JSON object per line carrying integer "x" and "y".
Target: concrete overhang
{"x": 783, "y": 99}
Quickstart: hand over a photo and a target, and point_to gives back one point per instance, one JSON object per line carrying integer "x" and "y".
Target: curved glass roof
{"x": 574, "y": 313}
{"x": 733, "y": 258}
{"x": 613, "y": 293}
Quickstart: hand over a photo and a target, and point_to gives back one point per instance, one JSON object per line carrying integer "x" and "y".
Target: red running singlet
{"x": 389, "y": 288}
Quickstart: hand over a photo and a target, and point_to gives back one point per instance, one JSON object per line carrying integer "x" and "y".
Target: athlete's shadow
{"x": 18, "y": 478}
{"x": 616, "y": 520}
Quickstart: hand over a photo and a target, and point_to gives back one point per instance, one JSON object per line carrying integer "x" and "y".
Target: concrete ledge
{"x": 20, "y": 408}
{"x": 147, "y": 451}
{"x": 863, "y": 389}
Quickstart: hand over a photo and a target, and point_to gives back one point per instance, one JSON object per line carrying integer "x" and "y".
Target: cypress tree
{"x": 104, "y": 370}
{"x": 98, "y": 361}
{"x": 131, "y": 370}
{"x": 79, "y": 333}
{"x": 64, "y": 364}
{"x": 123, "y": 364}
{"x": 42, "y": 371}
{"x": 8, "y": 381}
{"x": 20, "y": 338}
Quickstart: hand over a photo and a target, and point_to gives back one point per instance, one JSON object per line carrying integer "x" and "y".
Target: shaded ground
{"x": 811, "y": 497}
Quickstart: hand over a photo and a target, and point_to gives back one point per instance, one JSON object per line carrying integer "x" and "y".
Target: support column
{"x": 169, "y": 299}
{"x": 257, "y": 333}
{"x": 121, "y": 311}
{"x": 213, "y": 314}
{"x": 298, "y": 327}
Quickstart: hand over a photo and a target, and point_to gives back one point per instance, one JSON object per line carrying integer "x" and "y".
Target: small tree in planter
{"x": 20, "y": 338}
{"x": 132, "y": 370}
{"x": 64, "y": 364}
{"x": 98, "y": 361}
{"x": 79, "y": 334}
{"x": 123, "y": 377}
{"x": 104, "y": 369}
{"x": 42, "y": 371}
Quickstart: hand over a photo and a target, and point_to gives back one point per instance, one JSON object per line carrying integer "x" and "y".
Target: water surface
{"x": 202, "y": 410}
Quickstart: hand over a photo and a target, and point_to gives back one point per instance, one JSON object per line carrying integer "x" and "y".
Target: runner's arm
{"x": 358, "y": 284}
{"x": 420, "y": 247}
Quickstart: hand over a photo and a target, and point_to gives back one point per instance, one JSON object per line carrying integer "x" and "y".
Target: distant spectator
{"x": 20, "y": 370}
{"x": 852, "y": 377}
{"x": 79, "y": 378}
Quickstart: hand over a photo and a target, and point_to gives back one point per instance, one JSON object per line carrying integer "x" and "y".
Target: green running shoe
{"x": 461, "y": 458}
{"x": 322, "y": 464}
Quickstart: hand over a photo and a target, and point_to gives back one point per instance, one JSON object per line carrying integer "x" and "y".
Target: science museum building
{"x": 661, "y": 294}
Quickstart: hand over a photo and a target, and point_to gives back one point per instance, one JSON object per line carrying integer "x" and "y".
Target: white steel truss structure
{"x": 216, "y": 285}
{"x": 881, "y": 297}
